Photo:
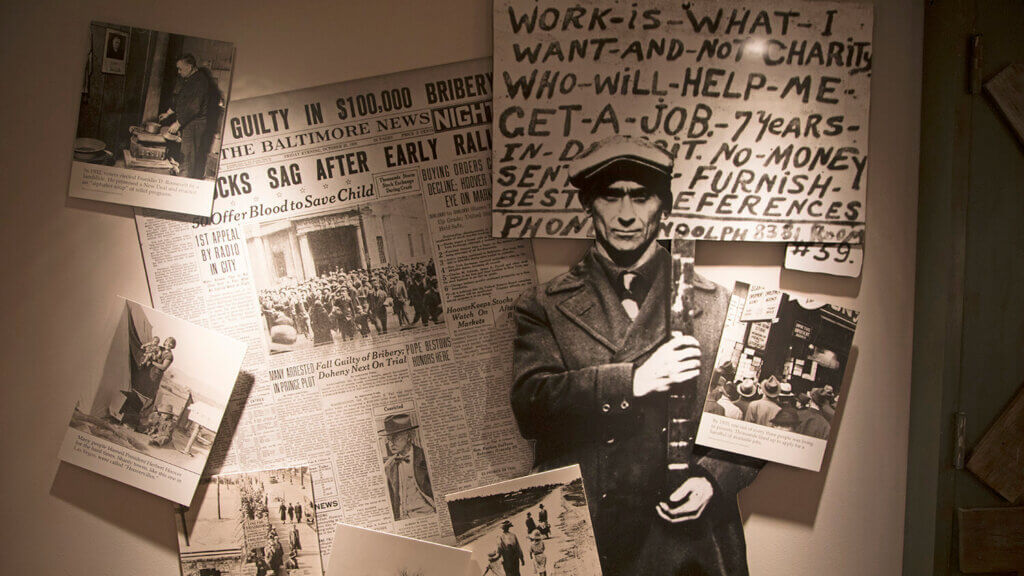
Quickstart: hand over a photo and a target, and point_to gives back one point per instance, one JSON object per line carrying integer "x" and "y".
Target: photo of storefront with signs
{"x": 287, "y": 252}
{"x": 805, "y": 344}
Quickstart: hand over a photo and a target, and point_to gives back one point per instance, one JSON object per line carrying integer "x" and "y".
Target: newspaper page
{"x": 150, "y": 119}
{"x": 251, "y": 523}
{"x": 151, "y": 420}
{"x": 779, "y": 377}
{"x": 764, "y": 109}
{"x": 350, "y": 247}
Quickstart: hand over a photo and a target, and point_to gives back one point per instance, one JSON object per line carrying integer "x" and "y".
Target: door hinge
{"x": 974, "y": 65}
{"x": 959, "y": 440}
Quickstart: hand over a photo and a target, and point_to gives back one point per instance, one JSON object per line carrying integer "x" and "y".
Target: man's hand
{"x": 688, "y": 501}
{"x": 165, "y": 115}
{"x": 174, "y": 127}
{"x": 675, "y": 361}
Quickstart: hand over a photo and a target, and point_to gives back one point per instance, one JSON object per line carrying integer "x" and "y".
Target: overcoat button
{"x": 624, "y": 405}
{"x": 606, "y": 408}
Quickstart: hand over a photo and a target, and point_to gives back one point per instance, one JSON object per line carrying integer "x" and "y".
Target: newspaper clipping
{"x": 764, "y": 109}
{"x": 150, "y": 119}
{"x": 251, "y": 523}
{"x": 535, "y": 525}
{"x": 779, "y": 376}
{"x": 350, "y": 247}
{"x": 163, "y": 391}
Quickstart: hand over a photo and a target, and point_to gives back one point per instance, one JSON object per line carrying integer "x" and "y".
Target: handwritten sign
{"x": 834, "y": 259}
{"x": 761, "y": 304}
{"x": 765, "y": 109}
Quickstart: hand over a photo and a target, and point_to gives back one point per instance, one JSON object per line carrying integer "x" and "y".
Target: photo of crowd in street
{"x": 165, "y": 385}
{"x": 537, "y": 525}
{"x": 361, "y": 552}
{"x": 363, "y": 273}
{"x": 259, "y": 523}
{"x": 153, "y": 101}
{"x": 405, "y": 466}
{"x": 781, "y": 364}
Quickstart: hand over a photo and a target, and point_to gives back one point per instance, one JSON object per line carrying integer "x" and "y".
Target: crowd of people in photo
{"x": 270, "y": 558}
{"x": 772, "y": 403}
{"x": 508, "y": 558}
{"x": 350, "y": 303}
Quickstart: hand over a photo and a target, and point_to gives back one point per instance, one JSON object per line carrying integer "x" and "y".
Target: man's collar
{"x": 645, "y": 266}
{"x": 645, "y": 257}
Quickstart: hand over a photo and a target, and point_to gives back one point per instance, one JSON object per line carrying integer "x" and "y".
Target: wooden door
{"x": 969, "y": 316}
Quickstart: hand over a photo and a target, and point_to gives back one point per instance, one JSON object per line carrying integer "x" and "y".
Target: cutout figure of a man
{"x": 594, "y": 362}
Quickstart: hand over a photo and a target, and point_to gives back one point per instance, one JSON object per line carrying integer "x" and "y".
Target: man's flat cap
{"x": 621, "y": 158}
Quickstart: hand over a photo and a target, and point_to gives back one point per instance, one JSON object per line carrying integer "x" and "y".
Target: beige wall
{"x": 63, "y": 261}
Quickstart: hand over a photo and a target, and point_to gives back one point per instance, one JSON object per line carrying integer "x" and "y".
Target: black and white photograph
{"x": 405, "y": 465}
{"x": 115, "y": 52}
{"x": 362, "y": 552}
{"x": 346, "y": 278}
{"x": 537, "y": 525}
{"x": 604, "y": 379}
{"x": 780, "y": 365}
{"x": 261, "y": 523}
{"x": 153, "y": 104}
{"x": 163, "y": 391}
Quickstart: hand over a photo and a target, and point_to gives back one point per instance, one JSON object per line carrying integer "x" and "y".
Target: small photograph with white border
{"x": 251, "y": 523}
{"x": 151, "y": 119}
{"x": 779, "y": 377}
{"x": 162, "y": 392}
{"x": 533, "y": 525}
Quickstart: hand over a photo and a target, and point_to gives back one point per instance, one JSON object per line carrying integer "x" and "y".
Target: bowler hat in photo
{"x": 770, "y": 387}
{"x": 747, "y": 388}
{"x": 395, "y": 423}
{"x": 622, "y": 158}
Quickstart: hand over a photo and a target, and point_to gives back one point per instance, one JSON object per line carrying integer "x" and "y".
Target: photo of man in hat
{"x": 594, "y": 363}
{"x": 762, "y": 411}
{"x": 405, "y": 466}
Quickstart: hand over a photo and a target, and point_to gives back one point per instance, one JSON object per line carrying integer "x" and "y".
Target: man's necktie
{"x": 630, "y": 300}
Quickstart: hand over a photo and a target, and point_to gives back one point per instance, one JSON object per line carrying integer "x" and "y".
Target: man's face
{"x": 116, "y": 43}
{"x": 626, "y": 215}
{"x": 184, "y": 68}
{"x": 399, "y": 442}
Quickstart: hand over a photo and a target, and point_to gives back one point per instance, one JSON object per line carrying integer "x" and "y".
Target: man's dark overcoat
{"x": 575, "y": 353}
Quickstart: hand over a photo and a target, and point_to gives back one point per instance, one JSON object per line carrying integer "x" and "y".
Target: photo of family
{"x": 164, "y": 386}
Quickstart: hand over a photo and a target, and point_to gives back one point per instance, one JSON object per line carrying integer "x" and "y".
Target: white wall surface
{"x": 63, "y": 259}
